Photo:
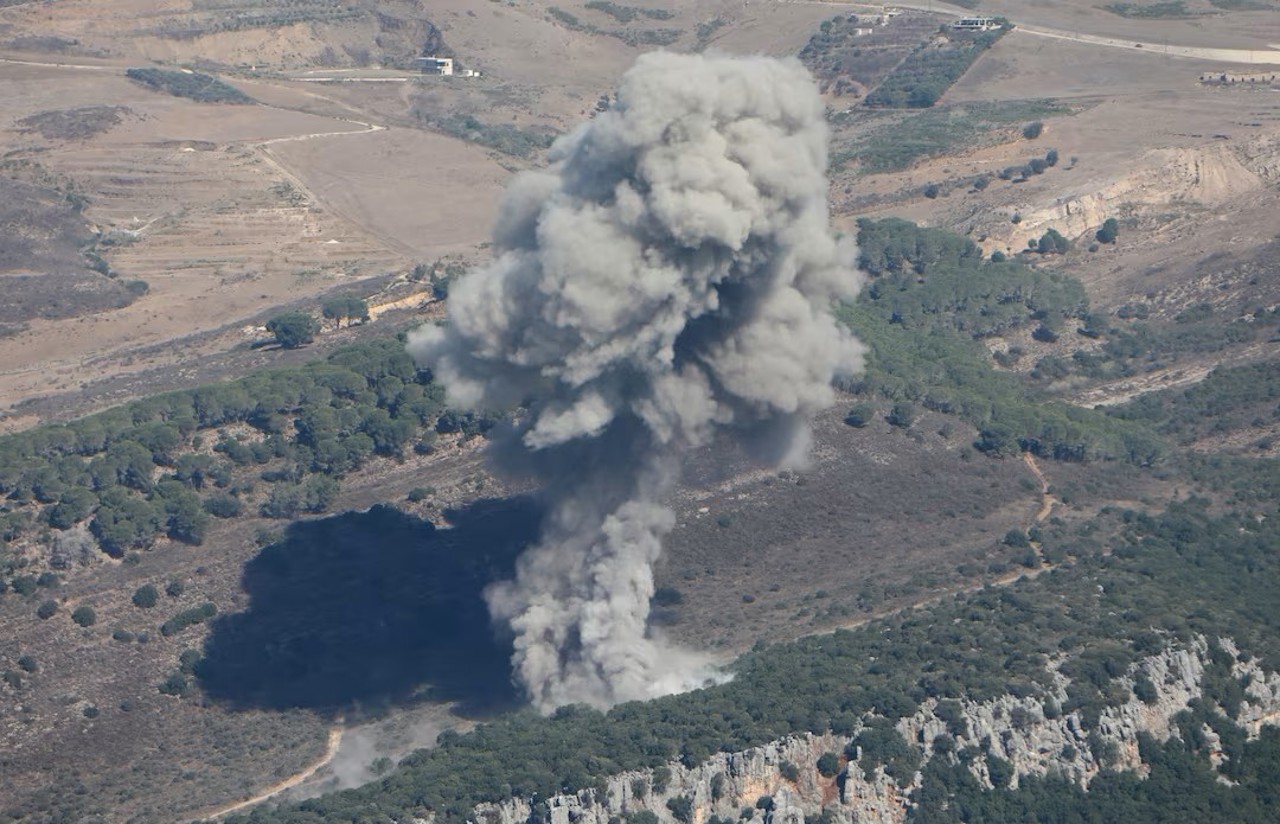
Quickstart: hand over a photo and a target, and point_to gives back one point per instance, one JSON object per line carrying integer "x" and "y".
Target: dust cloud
{"x": 668, "y": 278}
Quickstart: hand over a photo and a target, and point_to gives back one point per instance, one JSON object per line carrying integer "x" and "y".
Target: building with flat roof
{"x": 976, "y": 24}
{"x": 436, "y": 65}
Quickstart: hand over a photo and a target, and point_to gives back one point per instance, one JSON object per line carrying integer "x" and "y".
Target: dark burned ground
{"x": 43, "y": 271}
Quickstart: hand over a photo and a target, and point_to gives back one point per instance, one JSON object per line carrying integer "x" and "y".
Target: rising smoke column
{"x": 669, "y": 277}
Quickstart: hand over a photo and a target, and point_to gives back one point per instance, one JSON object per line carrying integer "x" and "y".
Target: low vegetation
{"x": 630, "y": 36}
{"x": 1164, "y": 10}
{"x": 937, "y": 132}
{"x": 203, "y": 88}
{"x": 503, "y": 137}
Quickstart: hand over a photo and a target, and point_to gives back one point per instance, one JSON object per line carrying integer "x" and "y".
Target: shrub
{"x": 902, "y": 415}
{"x": 1109, "y": 231}
{"x": 661, "y": 778}
{"x": 1033, "y": 130}
{"x": 789, "y": 771}
{"x": 860, "y": 415}
{"x": 932, "y": 191}
{"x": 188, "y": 617}
{"x": 122, "y": 635}
{"x": 145, "y": 596}
{"x": 84, "y": 616}
{"x": 47, "y": 609}
{"x": 175, "y": 685}
{"x": 175, "y": 589}
{"x": 828, "y": 764}
{"x": 223, "y": 505}
{"x": 28, "y": 663}
{"x": 681, "y": 808}
{"x": 24, "y": 584}
{"x": 1044, "y": 334}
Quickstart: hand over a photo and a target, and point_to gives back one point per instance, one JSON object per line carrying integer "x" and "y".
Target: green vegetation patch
{"x": 931, "y": 296}
{"x": 1167, "y": 10}
{"x": 630, "y": 36}
{"x": 626, "y": 14}
{"x": 505, "y": 138}
{"x": 899, "y": 144}
{"x": 299, "y": 429}
{"x": 204, "y": 88}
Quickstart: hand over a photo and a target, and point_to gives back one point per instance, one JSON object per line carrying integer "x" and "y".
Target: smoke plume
{"x": 669, "y": 277}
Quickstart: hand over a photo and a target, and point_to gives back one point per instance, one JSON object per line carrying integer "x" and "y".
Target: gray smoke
{"x": 669, "y": 277}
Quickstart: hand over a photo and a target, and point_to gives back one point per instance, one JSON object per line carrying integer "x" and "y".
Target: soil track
{"x": 335, "y": 741}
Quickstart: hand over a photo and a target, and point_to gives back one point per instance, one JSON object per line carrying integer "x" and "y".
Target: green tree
{"x": 145, "y": 596}
{"x": 346, "y": 308}
{"x": 294, "y": 329}
{"x": 902, "y": 415}
{"x": 1053, "y": 242}
{"x": 84, "y": 616}
{"x": 47, "y": 609}
{"x": 828, "y": 764}
{"x": 1109, "y": 231}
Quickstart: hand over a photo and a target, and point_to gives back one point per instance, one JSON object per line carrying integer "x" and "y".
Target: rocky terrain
{"x": 780, "y": 783}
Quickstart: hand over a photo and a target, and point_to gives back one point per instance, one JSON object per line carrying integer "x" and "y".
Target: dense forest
{"x": 279, "y": 441}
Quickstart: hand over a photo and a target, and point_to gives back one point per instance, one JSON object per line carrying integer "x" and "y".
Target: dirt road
{"x": 335, "y": 741}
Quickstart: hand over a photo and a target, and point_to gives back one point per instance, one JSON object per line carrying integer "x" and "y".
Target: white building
{"x": 976, "y": 24}
{"x": 437, "y": 65}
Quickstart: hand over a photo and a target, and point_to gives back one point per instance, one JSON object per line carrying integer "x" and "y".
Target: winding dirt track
{"x": 335, "y": 741}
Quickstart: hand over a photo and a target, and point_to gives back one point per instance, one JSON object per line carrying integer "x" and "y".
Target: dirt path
{"x": 335, "y": 741}
{"x": 1046, "y": 500}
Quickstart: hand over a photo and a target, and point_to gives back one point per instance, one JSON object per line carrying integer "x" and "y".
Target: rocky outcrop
{"x": 780, "y": 784}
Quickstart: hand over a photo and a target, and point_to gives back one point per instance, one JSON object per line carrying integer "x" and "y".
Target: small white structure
{"x": 975, "y": 24}
{"x": 437, "y": 65}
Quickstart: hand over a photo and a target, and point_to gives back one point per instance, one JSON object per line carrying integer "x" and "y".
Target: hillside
{"x": 1031, "y": 550}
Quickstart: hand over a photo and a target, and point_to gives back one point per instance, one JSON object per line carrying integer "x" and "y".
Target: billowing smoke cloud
{"x": 669, "y": 277}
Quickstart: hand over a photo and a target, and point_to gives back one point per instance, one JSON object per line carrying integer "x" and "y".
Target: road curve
{"x": 335, "y": 741}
